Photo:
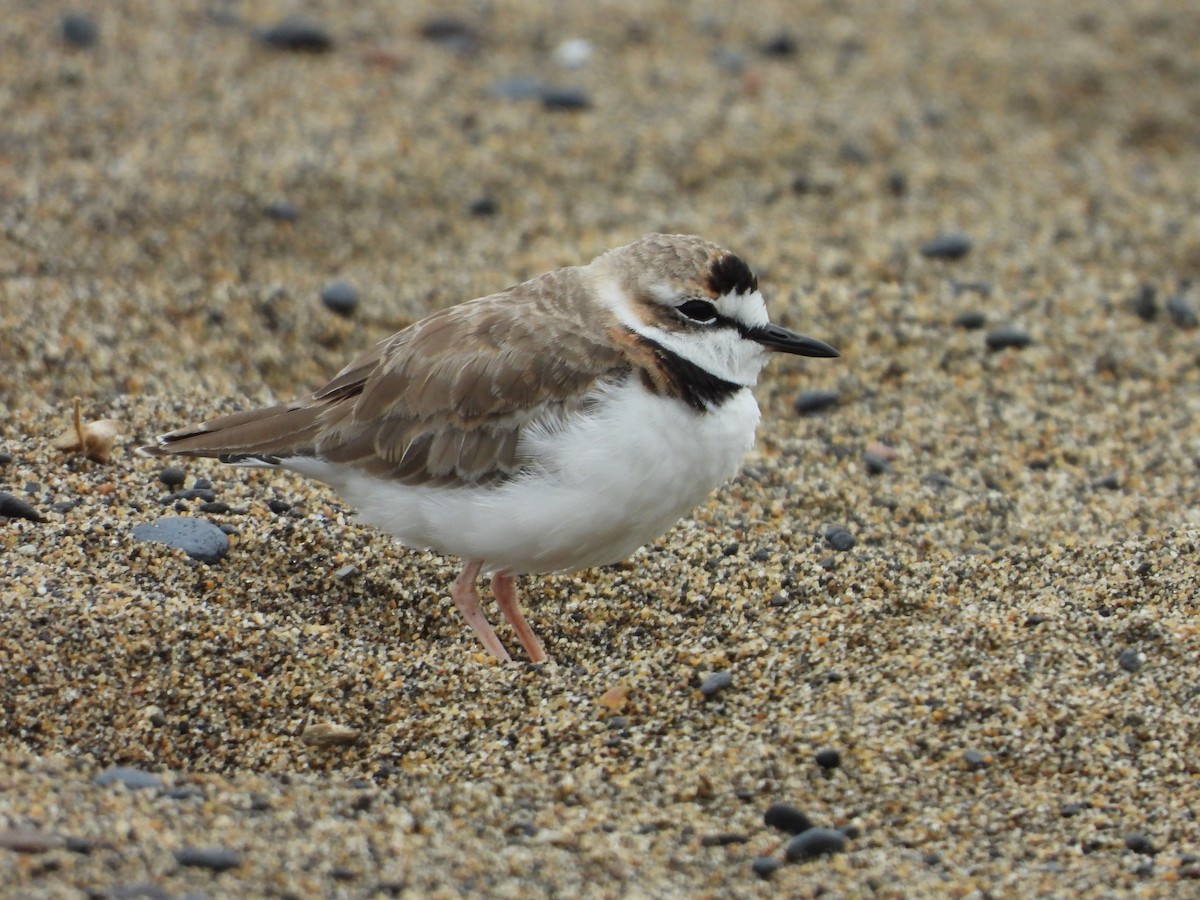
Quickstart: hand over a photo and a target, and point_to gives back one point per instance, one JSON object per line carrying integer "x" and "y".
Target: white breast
{"x": 606, "y": 484}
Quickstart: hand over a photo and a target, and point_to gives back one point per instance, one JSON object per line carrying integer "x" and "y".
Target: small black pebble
{"x": 5, "y": 458}
{"x": 483, "y": 206}
{"x": 1130, "y": 660}
{"x": 80, "y": 30}
{"x": 730, "y": 549}
{"x": 564, "y": 99}
{"x": 947, "y": 246}
{"x": 1139, "y": 843}
{"x": 171, "y": 476}
{"x": 764, "y": 866}
{"x": 876, "y": 464}
{"x": 937, "y": 480}
{"x": 715, "y": 683}
{"x": 1145, "y": 303}
{"x": 14, "y": 507}
{"x": 296, "y": 34}
{"x": 1181, "y": 312}
{"x": 975, "y": 760}
{"x": 227, "y": 528}
{"x": 202, "y": 484}
{"x": 1007, "y": 336}
{"x": 897, "y": 183}
{"x": 282, "y": 211}
{"x": 839, "y": 538}
{"x": 1108, "y": 483}
{"x": 216, "y": 858}
{"x": 931, "y": 859}
{"x": 809, "y": 402}
{"x": 724, "y": 839}
{"x": 828, "y": 758}
{"x": 64, "y": 506}
{"x": 1035, "y": 619}
{"x": 279, "y": 507}
{"x": 1069, "y": 810}
{"x": 215, "y": 506}
{"x": 813, "y": 843}
{"x": 970, "y": 320}
{"x": 782, "y": 44}
{"x": 449, "y": 30}
{"x": 786, "y": 818}
{"x": 340, "y": 296}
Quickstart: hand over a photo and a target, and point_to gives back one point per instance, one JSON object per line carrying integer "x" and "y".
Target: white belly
{"x": 607, "y": 485}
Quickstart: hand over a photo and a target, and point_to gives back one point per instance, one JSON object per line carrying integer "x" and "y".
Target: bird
{"x": 549, "y": 428}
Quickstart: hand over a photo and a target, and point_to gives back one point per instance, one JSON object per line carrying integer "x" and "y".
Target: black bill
{"x": 775, "y": 338}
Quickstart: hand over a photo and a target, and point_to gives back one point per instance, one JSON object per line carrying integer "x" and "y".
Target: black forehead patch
{"x": 730, "y": 275}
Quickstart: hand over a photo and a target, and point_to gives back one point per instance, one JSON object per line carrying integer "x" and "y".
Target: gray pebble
{"x": 139, "y": 890}
{"x": 947, "y": 246}
{"x": 453, "y": 34}
{"x": 781, "y": 44}
{"x": 14, "y": 507}
{"x": 1107, "y": 482}
{"x": 518, "y": 88}
{"x": 1145, "y": 303}
{"x": 216, "y": 858}
{"x": 132, "y": 778}
{"x": 1130, "y": 660}
{"x": 172, "y": 476}
{"x": 787, "y": 818}
{"x": 715, "y": 683}
{"x": 828, "y": 758}
{"x": 970, "y": 320}
{"x": 813, "y": 843}
{"x": 809, "y": 402}
{"x": 975, "y": 760}
{"x": 80, "y": 30}
{"x": 297, "y": 34}
{"x": 1181, "y": 312}
{"x": 839, "y": 538}
{"x": 5, "y": 457}
{"x": 340, "y": 296}
{"x": 198, "y": 538}
{"x": 876, "y": 463}
{"x": 1008, "y": 336}
{"x": 282, "y": 211}
{"x": 764, "y": 866}
{"x": 565, "y": 99}
{"x": 483, "y": 206}
{"x": 1139, "y": 843}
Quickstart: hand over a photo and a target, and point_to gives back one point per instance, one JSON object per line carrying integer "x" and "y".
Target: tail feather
{"x": 267, "y": 434}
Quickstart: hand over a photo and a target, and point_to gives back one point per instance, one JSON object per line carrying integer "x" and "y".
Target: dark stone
{"x": 134, "y": 779}
{"x": 80, "y": 30}
{"x": 1145, "y": 303}
{"x": 876, "y": 463}
{"x": 340, "y": 296}
{"x": 202, "y": 484}
{"x": 1181, "y": 312}
{"x": 808, "y": 403}
{"x": 14, "y": 507}
{"x": 1130, "y": 660}
{"x": 782, "y": 44}
{"x": 138, "y": 890}
{"x": 483, "y": 206}
{"x": 279, "y": 507}
{"x": 715, "y": 683}
{"x": 282, "y": 211}
{"x": 724, "y": 839}
{"x": 828, "y": 758}
{"x": 937, "y": 480}
{"x": 982, "y": 288}
{"x": 897, "y": 183}
{"x": 839, "y": 538}
{"x": 216, "y": 858}
{"x": 1139, "y": 843}
{"x": 764, "y": 866}
{"x": 565, "y": 99}
{"x": 5, "y": 458}
{"x": 1070, "y": 810}
{"x": 947, "y": 246}
{"x": 216, "y": 507}
{"x": 1035, "y": 619}
{"x": 854, "y": 153}
{"x": 296, "y": 34}
{"x": 813, "y": 843}
{"x": 198, "y": 538}
{"x": 172, "y": 476}
{"x": 975, "y": 760}
{"x": 518, "y": 88}
{"x": 1107, "y": 483}
{"x": 455, "y": 34}
{"x": 1007, "y": 336}
{"x": 970, "y": 320}
{"x": 787, "y": 818}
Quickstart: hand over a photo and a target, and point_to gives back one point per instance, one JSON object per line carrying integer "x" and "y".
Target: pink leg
{"x": 505, "y": 589}
{"x": 466, "y": 598}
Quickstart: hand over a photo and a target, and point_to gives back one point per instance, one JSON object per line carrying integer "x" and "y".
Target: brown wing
{"x": 442, "y": 402}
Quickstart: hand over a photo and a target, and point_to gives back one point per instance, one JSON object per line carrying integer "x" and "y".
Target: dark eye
{"x": 699, "y": 311}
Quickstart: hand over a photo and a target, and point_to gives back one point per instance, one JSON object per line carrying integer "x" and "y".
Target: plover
{"x": 552, "y": 427}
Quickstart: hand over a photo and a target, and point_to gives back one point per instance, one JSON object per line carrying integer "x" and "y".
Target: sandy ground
{"x": 1006, "y": 661}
